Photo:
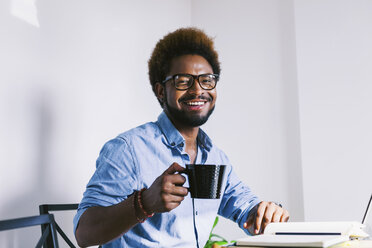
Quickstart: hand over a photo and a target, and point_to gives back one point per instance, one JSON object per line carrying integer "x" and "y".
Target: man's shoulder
{"x": 207, "y": 142}
{"x": 138, "y": 135}
{"x": 215, "y": 149}
{"x": 144, "y": 131}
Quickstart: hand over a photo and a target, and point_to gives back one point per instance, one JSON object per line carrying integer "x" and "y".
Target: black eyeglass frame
{"x": 195, "y": 77}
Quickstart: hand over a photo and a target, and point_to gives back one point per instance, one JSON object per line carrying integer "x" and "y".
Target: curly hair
{"x": 183, "y": 41}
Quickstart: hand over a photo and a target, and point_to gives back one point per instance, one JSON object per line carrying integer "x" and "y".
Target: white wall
{"x": 74, "y": 74}
{"x": 69, "y": 82}
{"x": 335, "y": 87}
{"x": 256, "y": 118}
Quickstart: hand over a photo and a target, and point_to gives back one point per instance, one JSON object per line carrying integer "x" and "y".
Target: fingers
{"x": 277, "y": 215}
{"x": 176, "y": 179}
{"x": 249, "y": 224}
{"x": 172, "y": 198}
{"x": 166, "y": 192}
{"x": 172, "y": 189}
{"x": 173, "y": 169}
{"x": 172, "y": 183}
{"x": 171, "y": 194}
{"x": 285, "y": 216}
{"x": 171, "y": 201}
{"x": 263, "y": 214}
{"x": 260, "y": 215}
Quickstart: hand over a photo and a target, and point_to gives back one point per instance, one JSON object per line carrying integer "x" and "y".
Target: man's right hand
{"x": 166, "y": 192}
{"x": 99, "y": 225}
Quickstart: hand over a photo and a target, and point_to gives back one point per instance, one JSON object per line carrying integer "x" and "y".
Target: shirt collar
{"x": 204, "y": 141}
{"x": 174, "y": 137}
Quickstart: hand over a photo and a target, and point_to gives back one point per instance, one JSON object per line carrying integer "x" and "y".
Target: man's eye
{"x": 182, "y": 80}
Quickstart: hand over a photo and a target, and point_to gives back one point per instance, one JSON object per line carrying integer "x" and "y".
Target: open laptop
{"x": 311, "y": 234}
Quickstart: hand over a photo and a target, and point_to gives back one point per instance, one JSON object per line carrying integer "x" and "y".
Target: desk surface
{"x": 355, "y": 244}
{"x": 348, "y": 244}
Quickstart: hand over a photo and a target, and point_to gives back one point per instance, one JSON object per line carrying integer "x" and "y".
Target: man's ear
{"x": 159, "y": 91}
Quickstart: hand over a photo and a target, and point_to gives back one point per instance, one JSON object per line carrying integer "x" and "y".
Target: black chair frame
{"x": 46, "y": 220}
{"x": 45, "y": 209}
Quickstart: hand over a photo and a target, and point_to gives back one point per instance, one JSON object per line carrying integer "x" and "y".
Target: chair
{"x": 44, "y": 209}
{"x": 46, "y": 219}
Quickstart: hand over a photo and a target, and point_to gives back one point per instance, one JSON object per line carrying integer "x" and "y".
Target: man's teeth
{"x": 195, "y": 103}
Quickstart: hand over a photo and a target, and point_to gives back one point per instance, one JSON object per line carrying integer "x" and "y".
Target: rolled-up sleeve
{"x": 114, "y": 179}
{"x": 238, "y": 200}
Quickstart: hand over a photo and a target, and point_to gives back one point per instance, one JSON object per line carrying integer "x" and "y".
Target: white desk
{"x": 355, "y": 244}
{"x": 348, "y": 244}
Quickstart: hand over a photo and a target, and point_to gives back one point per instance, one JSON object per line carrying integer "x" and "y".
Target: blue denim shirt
{"x": 134, "y": 159}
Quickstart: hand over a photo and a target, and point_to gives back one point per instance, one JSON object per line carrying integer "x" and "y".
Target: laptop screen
{"x": 367, "y": 218}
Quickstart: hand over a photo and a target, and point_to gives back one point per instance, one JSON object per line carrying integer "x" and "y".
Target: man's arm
{"x": 242, "y": 206}
{"x": 99, "y": 225}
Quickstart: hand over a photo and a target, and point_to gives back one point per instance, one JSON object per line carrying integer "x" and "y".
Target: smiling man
{"x": 185, "y": 104}
{"x": 136, "y": 197}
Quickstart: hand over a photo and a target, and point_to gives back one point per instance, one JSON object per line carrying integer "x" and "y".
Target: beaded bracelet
{"x": 141, "y": 205}
{"x": 135, "y": 196}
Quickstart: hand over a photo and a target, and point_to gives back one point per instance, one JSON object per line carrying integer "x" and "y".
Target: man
{"x": 137, "y": 197}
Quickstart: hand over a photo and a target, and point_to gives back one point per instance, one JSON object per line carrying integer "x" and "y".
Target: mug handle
{"x": 184, "y": 172}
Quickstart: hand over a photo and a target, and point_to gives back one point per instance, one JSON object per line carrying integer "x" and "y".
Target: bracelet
{"x": 135, "y": 196}
{"x": 141, "y": 205}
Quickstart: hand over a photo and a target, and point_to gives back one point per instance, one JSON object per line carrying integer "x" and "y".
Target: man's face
{"x": 191, "y": 107}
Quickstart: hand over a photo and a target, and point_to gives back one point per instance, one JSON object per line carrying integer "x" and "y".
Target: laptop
{"x": 367, "y": 219}
{"x": 311, "y": 234}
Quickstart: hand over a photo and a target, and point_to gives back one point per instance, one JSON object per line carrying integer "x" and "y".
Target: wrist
{"x": 146, "y": 202}
{"x": 143, "y": 203}
{"x": 137, "y": 211}
{"x": 140, "y": 212}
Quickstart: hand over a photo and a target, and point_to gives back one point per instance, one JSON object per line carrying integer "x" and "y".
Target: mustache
{"x": 191, "y": 97}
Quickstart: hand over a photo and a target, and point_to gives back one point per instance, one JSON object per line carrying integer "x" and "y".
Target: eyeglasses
{"x": 186, "y": 81}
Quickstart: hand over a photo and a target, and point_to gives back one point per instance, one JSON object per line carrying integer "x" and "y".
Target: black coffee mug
{"x": 205, "y": 180}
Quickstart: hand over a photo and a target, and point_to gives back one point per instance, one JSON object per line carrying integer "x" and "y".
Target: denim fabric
{"x": 135, "y": 158}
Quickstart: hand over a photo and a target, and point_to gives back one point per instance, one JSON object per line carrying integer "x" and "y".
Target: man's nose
{"x": 195, "y": 88}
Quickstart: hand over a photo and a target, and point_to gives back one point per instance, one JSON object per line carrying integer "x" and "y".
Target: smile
{"x": 195, "y": 103}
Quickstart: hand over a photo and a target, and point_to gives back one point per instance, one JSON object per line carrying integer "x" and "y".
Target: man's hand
{"x": 262, "y": 214}
{"x": 166, "y": 192}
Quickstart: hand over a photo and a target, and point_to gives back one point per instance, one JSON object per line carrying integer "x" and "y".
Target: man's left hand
{"x": 263, "y": 214}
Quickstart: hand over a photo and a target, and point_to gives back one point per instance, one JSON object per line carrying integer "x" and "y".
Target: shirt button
{"x": 173, "y": 144}
{"x": 181, "y": 145}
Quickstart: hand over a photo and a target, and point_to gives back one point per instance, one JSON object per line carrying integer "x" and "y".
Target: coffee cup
{"x": 205, "y": 180}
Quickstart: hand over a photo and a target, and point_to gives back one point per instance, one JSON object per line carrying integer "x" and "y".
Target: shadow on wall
{"x": 21, "y": 62}
{"x": 30, "y": 119}
{"x": 28, "y": 201}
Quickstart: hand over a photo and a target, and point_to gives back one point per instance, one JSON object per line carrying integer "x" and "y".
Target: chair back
{"x": 46, "y": 209}
{"x": 46, "y": 220}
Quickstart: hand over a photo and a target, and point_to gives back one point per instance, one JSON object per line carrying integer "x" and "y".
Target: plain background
{"x": 293, "y": 110}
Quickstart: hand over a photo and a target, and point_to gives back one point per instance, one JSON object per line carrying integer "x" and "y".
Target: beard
{"x": 182, "y": 117}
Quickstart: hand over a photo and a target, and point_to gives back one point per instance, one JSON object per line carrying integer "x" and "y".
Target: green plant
{"x": 215, "y": 238}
